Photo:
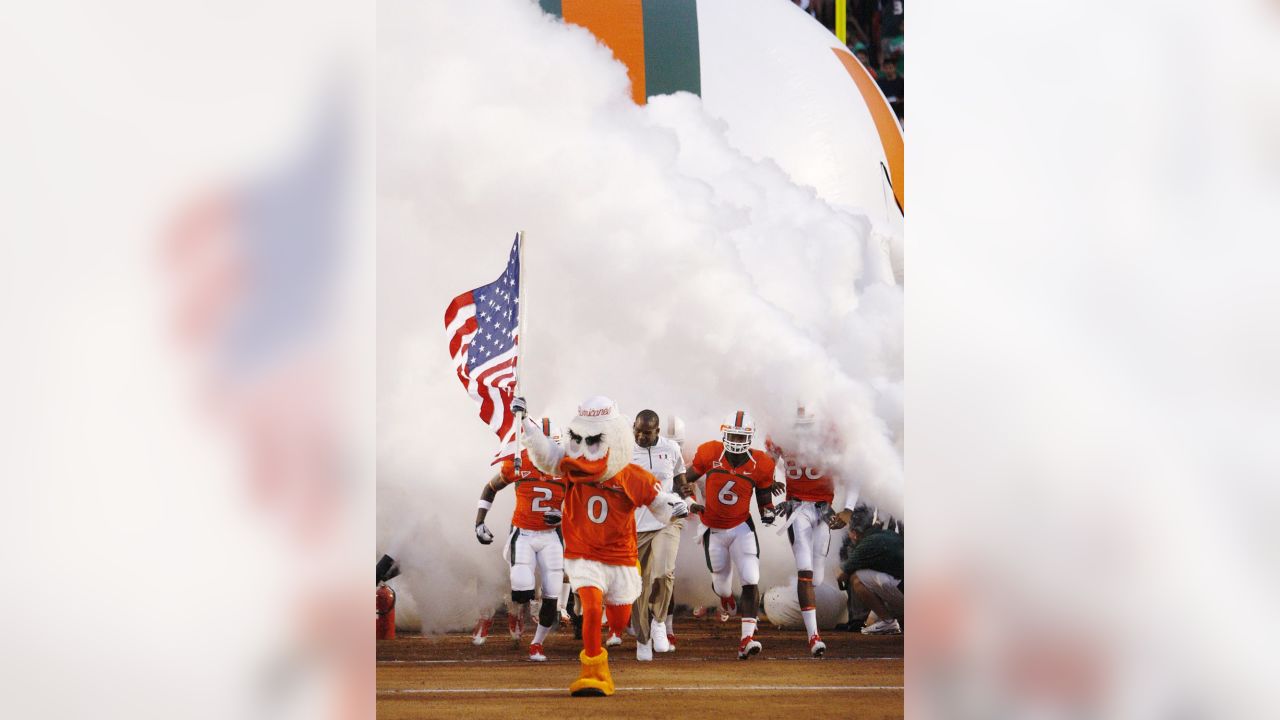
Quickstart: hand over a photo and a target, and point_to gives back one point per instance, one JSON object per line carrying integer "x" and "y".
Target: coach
{"x": 657, "y": 541}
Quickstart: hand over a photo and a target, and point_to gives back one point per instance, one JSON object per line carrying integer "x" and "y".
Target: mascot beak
{"x": 582, "y": 470}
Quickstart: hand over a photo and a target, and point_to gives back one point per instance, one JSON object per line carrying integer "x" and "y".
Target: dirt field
{"x": 861, "y": 677}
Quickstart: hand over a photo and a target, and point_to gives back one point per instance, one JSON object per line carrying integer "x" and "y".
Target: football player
{"x": 810, "y": 492}
{"x": 734, "y": 472}
{"x": 534, "y": 542}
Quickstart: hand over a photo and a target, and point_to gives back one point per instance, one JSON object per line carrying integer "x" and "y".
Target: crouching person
{"x": 872, "y": 567}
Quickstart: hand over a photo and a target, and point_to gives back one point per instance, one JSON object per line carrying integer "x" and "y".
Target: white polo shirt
{"x": 665, "y": 462}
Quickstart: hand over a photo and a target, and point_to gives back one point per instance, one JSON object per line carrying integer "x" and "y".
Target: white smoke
{"x": 663, "y": 268}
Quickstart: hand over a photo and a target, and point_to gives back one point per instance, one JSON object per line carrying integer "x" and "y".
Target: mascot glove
{"x": 519, "y": 406}
{"x": 483, "y": 535}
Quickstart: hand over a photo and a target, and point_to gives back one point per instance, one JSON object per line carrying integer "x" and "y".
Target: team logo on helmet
{"x": 737, "y": 431}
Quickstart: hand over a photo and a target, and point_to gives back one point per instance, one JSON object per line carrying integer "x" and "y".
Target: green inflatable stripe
{"x": 551, "y": 6}
{"x": 670, "y": 47}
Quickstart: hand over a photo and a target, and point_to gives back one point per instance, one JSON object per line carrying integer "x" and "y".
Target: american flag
{"x": 483, "y": 330}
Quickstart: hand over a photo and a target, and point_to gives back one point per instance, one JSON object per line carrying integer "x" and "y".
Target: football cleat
{"x": 728, "y": 608}
{"x": 614, "y": 640}
{"x": 671, "y": 643}
{"x": 482, "y": 631}
{"x": 750, "y": 646}
{"x": 700, "y": 611}
{"x": 816, "y": 647}
{"x": 515, "y": 625}
{"x": 535, "y": 653}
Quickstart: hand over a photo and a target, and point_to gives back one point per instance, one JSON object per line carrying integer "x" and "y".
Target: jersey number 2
{"x": 546, "y": 497}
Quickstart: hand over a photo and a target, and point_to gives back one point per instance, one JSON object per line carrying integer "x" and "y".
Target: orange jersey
{"x": 729, "y": 488}
{"x": 536, "y": 493}
{"x": 805, "y": 482}
{"x": 599, "y": 518}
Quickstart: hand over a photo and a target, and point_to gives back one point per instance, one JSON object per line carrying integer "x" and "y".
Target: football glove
{"x": 784, "y": 509}
{"x": 483, "y": 535}
{"x": 767, "y": 516}
{"x": 552, "y": 517}
{"x": 679, "y": 509}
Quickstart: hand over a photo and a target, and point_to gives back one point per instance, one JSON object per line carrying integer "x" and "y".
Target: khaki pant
{"x": 657, "y": 575}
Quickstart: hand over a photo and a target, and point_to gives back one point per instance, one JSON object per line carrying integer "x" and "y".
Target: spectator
{"x": 871, "y": 564}
{"x": 891, "y": 85}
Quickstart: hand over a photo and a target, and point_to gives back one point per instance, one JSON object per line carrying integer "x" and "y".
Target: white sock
{"x": 748, "y": 627}
{"x": 540, "y": 634}
{"x": 810, "y": 621}
{"x": 566, "y": 597}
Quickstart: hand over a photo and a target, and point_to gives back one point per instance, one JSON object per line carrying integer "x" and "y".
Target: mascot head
{"x": 598, "y": 443}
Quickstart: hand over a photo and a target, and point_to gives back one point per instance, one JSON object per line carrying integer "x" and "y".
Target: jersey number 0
{"x": 597, "y": 509}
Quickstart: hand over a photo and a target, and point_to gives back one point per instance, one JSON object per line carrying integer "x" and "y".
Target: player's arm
{"x": 764, "y": 501}
{"x": 490, "y": 491}
{"x": 764, "y": 496}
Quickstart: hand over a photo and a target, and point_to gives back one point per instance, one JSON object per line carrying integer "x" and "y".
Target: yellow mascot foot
{"x": 595, "y": 679}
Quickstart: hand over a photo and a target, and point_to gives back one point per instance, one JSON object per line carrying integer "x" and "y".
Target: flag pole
{"x": 520, "y": 341}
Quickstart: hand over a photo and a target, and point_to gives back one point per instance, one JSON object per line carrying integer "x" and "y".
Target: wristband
{"x": 484, "y": 505}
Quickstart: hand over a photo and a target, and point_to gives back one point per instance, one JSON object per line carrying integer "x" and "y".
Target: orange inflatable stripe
{"x": 619, "y": 24}
{"x": 886, "y": 122}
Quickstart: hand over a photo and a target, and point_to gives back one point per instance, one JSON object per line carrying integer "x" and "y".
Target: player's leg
{"x": 745, "y": 554}
{"x": 550, "y": 561}
{"x": 802, "y": 534}
{"x": 521, "y": 556}
{"x": 716, "y": 547}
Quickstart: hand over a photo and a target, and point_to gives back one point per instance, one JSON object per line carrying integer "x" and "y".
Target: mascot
{"x": 599, "y": 521}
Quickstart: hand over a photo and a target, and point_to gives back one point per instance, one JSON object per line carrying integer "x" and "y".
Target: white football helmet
{"x": 737, "y": 431}
{"x": 805, "y": 418}
{"x": 550, "y": 429}
{"x": 674, "y": 429}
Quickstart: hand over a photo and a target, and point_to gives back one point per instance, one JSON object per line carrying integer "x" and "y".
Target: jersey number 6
{"x": 726, "y": 494}
{"x": 597, "y": 509}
